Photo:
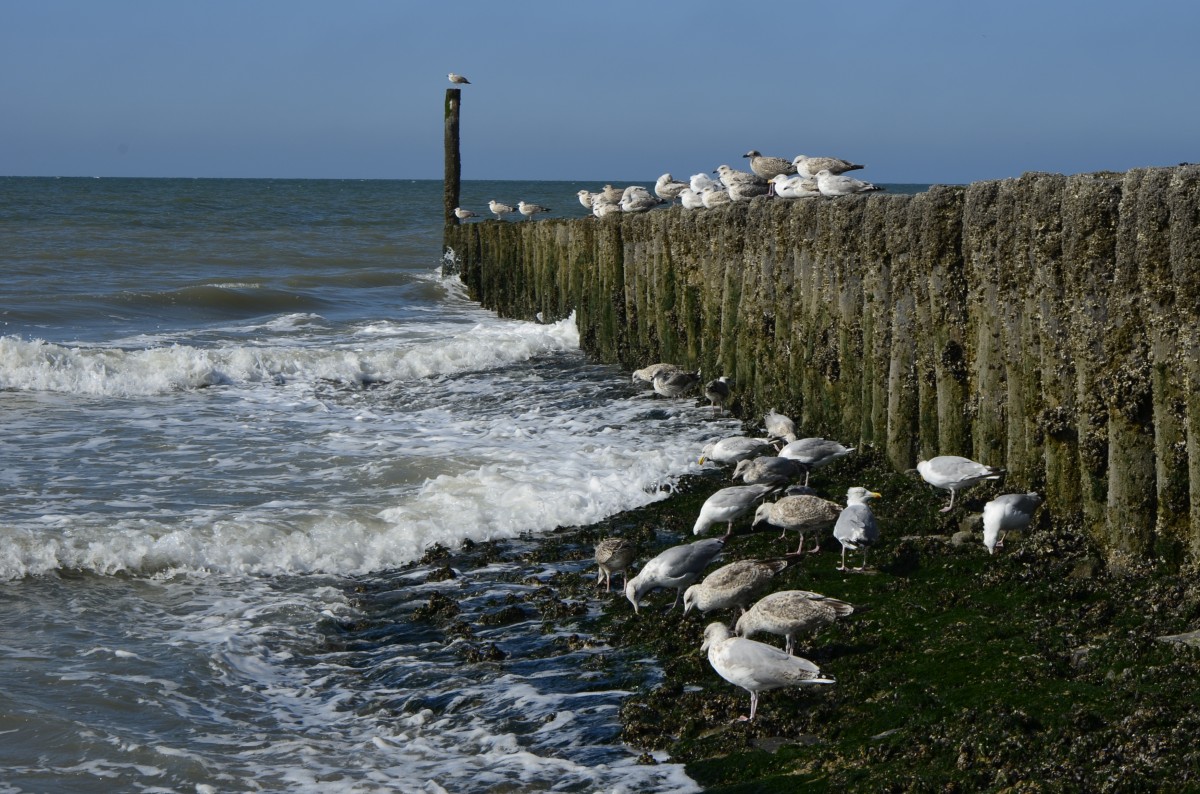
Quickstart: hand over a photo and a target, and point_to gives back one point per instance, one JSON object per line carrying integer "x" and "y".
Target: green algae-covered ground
{"x": 1037, "y": 669}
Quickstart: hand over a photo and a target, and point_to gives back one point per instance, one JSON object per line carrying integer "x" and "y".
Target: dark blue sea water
{"x": 233, "y": 407}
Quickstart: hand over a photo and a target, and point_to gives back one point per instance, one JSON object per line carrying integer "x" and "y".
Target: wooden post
{"x": 450, "y": 185}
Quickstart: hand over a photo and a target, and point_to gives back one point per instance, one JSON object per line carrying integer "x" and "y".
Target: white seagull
{"x": 796, "y": 187}
{"x": 677, "y": 567}
{"x": 831, "y": 184}
{"x": 585, "y": 198}
{"x": 500, "y": 210}
{"x": 856, "y": 527}
{"x": 727, "y": 505}
{"x": 529, "y": 210}
{"x": 458, "y": 79}
{"x": 463, "y": 214}
{"x": 953, "y": 473}
{"x": 732, "y": 449}
{"x": 1007, "y": 512}
{"x": 755, "y": 666}
{"x": 814, "y": 452}
{"x": 690, "y": 199}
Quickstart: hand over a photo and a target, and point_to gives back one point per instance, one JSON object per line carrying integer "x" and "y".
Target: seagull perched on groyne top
{"x": 458, "y": 79}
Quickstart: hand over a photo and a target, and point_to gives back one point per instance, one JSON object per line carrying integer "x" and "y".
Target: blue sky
{"x": 951, "y": 91}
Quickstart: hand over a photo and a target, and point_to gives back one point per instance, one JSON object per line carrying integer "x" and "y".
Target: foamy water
{"x": 207, "y": 502}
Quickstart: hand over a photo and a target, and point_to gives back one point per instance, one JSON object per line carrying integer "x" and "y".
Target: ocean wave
{"x": 37, "y": 365}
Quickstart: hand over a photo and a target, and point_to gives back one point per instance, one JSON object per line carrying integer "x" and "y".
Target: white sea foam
{"x": 36, "y": 365}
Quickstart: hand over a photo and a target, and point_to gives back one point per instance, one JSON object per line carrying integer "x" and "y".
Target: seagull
{"x": 732, "y": 585}
{"x": 768, "y": 470}
{"x": 805, "y": 514}
{"x": 1010, "y": 511}
{"x": 730, "y": 177}
{"x": 755, "y": 666}
{"x": 831, "y": 184}
{"x": 952, "y": 473}
{"x": 690, "y": 199}
{"x": 499, "y": 209}
{"x": 613, "y": 555}
{"x": 814, "y": 452}
{"x": 717, "y": 392}
{"x": 744, "y": 191}
{"x": 638, "y": 199}
{"x": 808, "y": 167}
{"x": 585, "y": 198}
{"x": 795, "y": 187}
{"x": 768, "y": 167}
{"x": 677, "y": 567}
{"x": 458, "y": 79}
{"x": 529, "y": 210}
{"x": 646, "y": 374}
{"x": 463, "y": 214}
{"x": 667, "y": 188}
{"x": 779, "y": 426}
{"x": 675, "y": 384}
{"x": 856, "y": 526}
{"x": 602, "y": 207}
{"x": 714, "y": 197}
{"x": 612, "y": 194}
{"x": 790, "y": 612}
{"x": 728, "y": 504}
{"x": 700, "y": 181}
{"x": 734, "y": 448}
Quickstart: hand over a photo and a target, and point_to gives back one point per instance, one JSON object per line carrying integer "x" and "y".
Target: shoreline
{"x": 1036, "y": 668}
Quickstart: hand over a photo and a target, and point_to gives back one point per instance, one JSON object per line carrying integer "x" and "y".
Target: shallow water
{"x": 235, "y": 409}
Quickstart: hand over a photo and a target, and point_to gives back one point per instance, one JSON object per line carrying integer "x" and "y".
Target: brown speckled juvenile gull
{"x": 717, "y": 391}
{"x": 791, "y": 612}
{"x": 613, "y": 555}
{"x": 856, "y": 527}
{"x": 675, "y": 384}
{"x": 676, "y": 568}
{"x": 728, "y": 504}
{"x": 805, "y": 514}
{"x": 767, "y": 167}
{"x": 809, "y": 167}
{"x": 779, "y": 426}
{"x": 953, "y": 473}
{"x": 713, "y": 196}
{"x": 768, "y": 470}
{"x": 668, "y": 188}
{"x": 815, "y": 452}
{"x": 1010, "y": 511}
{"x": 732, "y": 585}
{"x": 754, "y": 666}
{"x": 648, "y": 372}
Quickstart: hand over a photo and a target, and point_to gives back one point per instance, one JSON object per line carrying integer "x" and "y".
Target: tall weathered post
{"x": 450, "y": 185}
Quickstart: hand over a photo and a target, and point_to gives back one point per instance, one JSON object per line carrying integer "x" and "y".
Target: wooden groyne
{"x": 1049, "y": 324}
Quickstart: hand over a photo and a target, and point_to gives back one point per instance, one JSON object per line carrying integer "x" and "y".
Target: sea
{"x": 236, "y": 415}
